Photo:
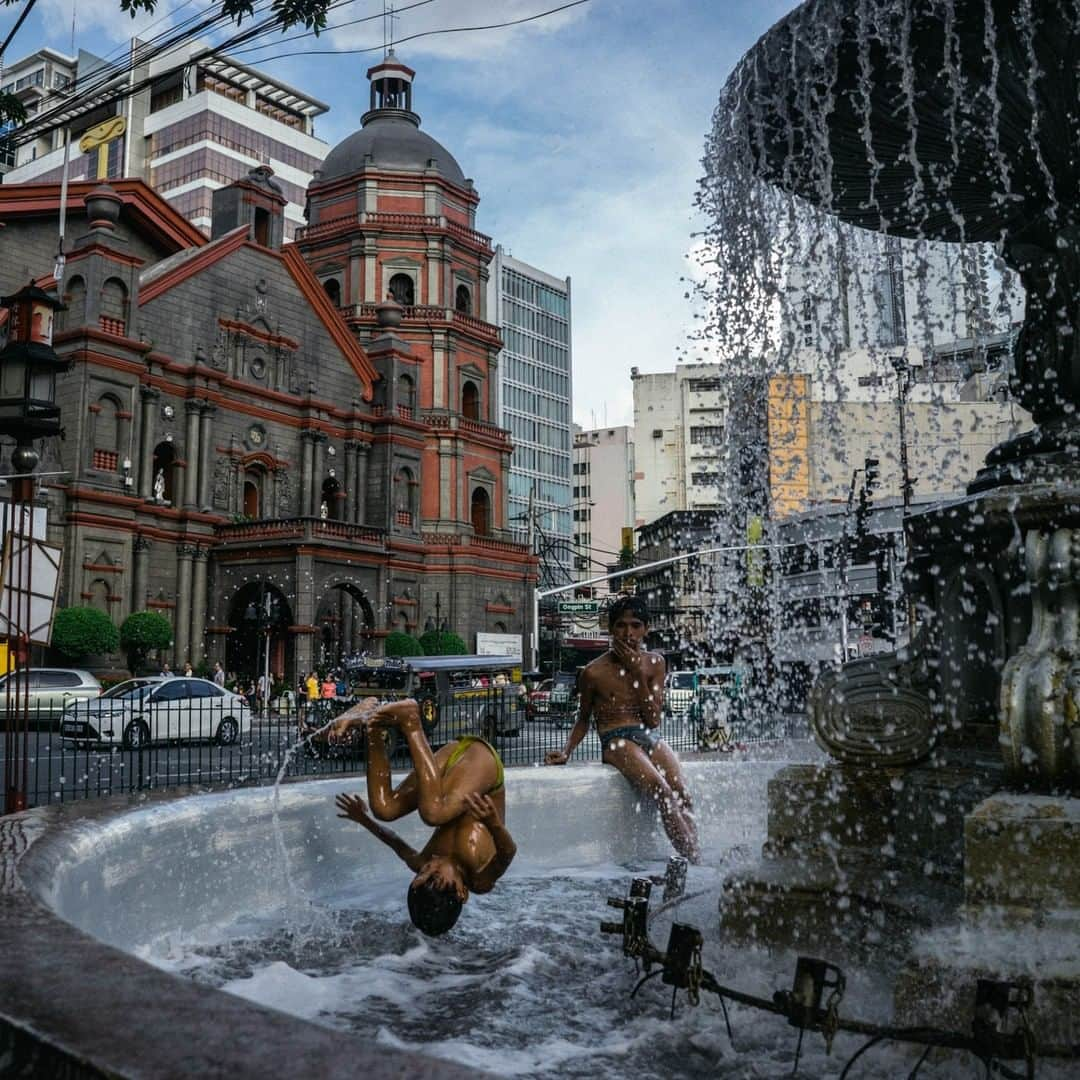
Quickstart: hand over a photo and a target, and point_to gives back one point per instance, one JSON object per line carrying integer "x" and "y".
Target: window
{"x": 707, "y": 435}
{"x": 481, "y": 512}
{"x": 463, "y": 300}
{"x": 113, "y": 317}
{"x": 405, "y": 498}
{"x": 253, "y": 501}
{"x": 889, "y": 294}
{"x": 406, "y": 396}
{"x": 333, "y": 290}
{"x": 402, "y": 289}
{"x": 657, "y": 433}
{"x": 262, "y": 227}
{"x": 470, "y": 401}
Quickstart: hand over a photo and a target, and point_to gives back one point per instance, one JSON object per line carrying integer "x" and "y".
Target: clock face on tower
{"x": 167, "y": 412}
{"x": 256, "y": 436}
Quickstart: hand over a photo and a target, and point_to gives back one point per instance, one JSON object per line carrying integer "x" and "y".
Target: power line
{"x": 431, "y": 33}
{"x": 336, "y": 26}
{"x": 18, "y": 22}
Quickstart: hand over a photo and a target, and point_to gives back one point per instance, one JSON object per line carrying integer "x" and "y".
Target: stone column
{"x": 345, "y": 622}
{"x": 182, "y": 630}
{"x": 199, "y": 602}
{"x": 318, "y": 470}
{"x": 149, "y": 399}
{"x": 140, "y": 575}
{"x": 274, "y": 508}
{"x": 349, "y": 482}
{"x": 438, "y": 372}
{"x": 206, "y": 442}
{"x": 371, "y": 286}
{"x": 360, "y": 514}
{"x": 191, "y": 455}
{"x": 446, "y": 451}
{"x": 306, "y": 438}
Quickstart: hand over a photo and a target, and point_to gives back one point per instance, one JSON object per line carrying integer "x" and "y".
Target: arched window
{"x": 470, "y": 401}
{"x": 481, "y": 512}
{"x": 404, "y": 498}
{"x": 499, "y": 628}
{"x": 401, "y": 289}
{"x": 253, "y": 494}
{"x": 333, "y": 498}
{"x": 164, "y": 479}
{"x": 333, "y": 290}
{"x": 100, "y": 595}
{"x": 406, "y": 395}
{"x": 75, "y": 298}
{"x": 463, "y": 300}
{"x": 113, "y": 317}
{"x": 105, "y": 452}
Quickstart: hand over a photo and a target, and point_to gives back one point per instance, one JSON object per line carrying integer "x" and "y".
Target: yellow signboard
{"x": 789, "y": 443}
{"x": 99, "y": 137}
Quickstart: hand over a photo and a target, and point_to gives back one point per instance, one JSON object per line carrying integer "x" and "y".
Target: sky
{"x": 583, "y": 132}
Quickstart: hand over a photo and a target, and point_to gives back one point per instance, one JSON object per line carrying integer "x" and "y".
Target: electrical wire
{"x": 336, "y": 26}
{"x": 432, "y": 33}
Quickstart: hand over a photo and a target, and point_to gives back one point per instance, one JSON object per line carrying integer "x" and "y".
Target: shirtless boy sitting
{"x": 624, "y": 691}
{"x": 459, "y": 790}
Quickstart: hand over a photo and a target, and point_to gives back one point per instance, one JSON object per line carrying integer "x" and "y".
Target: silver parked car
{"x": 52, "y": 690}
{"x": 159, "y": 709}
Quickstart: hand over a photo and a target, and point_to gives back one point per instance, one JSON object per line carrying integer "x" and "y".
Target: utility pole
{"x": 530, "y": 526}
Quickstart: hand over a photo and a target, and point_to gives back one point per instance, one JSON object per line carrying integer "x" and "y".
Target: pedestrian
{"x": 166, "y": 671}
{"x": 329, "y": 686}
{"x": 187, "y": 669}
{"x": 264, "y": 687}
{"x": 342, "y": 685}
{"x": 219, "y": 674}
{"x": 311, "y": 687}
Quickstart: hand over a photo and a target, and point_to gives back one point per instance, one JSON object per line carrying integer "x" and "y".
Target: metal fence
{"x": 185, "y": 750}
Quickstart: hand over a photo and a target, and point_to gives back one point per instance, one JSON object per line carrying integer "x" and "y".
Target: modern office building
{"x": 203, "y": 120}
{"x": 535, "y": 380}
{"x": 603, "y": 494}
{"x": 679, "y": 419}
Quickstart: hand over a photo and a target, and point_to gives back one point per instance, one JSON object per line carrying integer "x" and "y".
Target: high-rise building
{"x": 603, "y": 494}
{"x": 679, "y": 419}
{"x": 535, "y": 381}
{"x": 203, "y": 120}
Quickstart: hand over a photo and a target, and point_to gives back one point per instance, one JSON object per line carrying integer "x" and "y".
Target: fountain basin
{"x": 87, "y": 886}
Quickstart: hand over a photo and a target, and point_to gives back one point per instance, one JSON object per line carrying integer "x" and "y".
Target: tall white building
{"x": 679, "y": 419}
{"x": 532, "y": 310}
{"x": 201, "y": 122}
{"x": 603, "y": 494}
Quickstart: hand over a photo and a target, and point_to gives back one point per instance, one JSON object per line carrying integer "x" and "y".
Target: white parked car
{"x": 158, "y": 709}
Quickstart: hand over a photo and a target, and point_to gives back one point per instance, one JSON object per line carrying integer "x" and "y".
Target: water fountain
{"x": 946, "y": 830}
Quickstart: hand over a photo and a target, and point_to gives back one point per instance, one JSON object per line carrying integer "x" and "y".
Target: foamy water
{"x": 526, "y": 986}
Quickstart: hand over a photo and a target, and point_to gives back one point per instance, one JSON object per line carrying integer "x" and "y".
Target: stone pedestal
{"x": 1020, "y": 920}
{"x": 856, "y": 859}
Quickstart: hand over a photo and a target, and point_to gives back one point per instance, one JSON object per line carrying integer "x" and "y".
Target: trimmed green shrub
{"x": 442, "y": 643}
{"x": 398, "y": 643}
{"x": 142, "y": 633}
{"x": 84, "y": 631}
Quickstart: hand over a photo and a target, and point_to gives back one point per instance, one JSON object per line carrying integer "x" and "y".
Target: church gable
{"x": 241, "y": 311}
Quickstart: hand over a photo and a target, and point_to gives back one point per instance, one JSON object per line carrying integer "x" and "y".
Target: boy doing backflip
{"x": 458, "y": 790}
{"x": 623, "y": 690}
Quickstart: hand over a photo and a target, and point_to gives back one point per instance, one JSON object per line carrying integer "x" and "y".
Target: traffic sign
{"x": 579, "y": 607}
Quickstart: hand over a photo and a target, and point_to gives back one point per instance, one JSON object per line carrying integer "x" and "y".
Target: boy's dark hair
{"x": 433, "y": 910}
{"x": 635, "y": 605}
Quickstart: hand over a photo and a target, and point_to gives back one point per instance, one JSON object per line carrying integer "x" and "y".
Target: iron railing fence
{"x": 86, "y": 754}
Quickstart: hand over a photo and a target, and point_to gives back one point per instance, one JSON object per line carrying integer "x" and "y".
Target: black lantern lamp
{"x": 28, "y": 369}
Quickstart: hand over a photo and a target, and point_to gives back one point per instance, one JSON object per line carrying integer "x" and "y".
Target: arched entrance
{"x": 259, "y": 609}
{"x": 345, "y": 619}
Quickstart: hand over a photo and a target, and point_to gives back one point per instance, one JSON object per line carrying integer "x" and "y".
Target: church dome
{"x": 390, "y": 136}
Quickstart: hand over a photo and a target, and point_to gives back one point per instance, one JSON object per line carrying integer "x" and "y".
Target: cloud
{"x": 100, "y": 24}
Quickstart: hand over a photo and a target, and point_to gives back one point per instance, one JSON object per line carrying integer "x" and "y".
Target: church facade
{"x": 283, "y": 442}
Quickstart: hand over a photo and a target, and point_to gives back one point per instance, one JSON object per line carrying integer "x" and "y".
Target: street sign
{"x": 579, "y": 607}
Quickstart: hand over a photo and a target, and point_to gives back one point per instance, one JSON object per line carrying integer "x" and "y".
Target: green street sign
{"x": 579, "y": 607}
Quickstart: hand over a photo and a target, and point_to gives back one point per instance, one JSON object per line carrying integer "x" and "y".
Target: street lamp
{"x": 262, "y": 616}
{"x": 904, "y": 380}
{"x": 28, "y": 411}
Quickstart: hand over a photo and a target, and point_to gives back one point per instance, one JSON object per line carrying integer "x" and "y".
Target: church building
{"x": 294, "y": 441}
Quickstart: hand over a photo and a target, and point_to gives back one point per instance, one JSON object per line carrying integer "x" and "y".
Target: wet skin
{"x": 625, "y": 687}
{"x": 470, "y": 848}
